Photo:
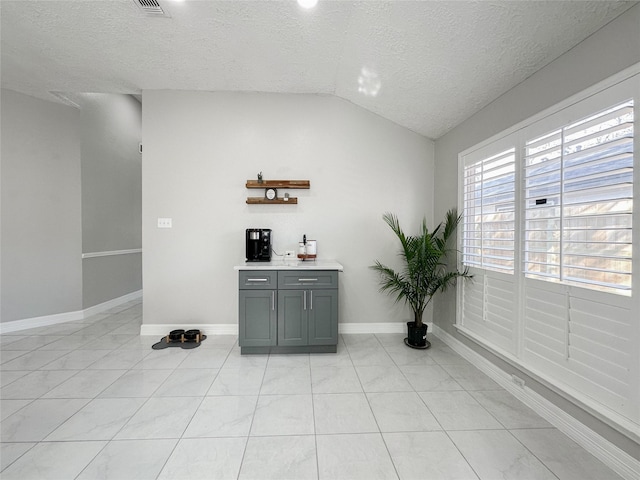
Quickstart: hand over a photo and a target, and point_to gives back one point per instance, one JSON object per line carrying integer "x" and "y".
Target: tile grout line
{"x": 446, "y": 432}
{"x": 107, "y": 442}
{"x": 89, "y": 400}
{"x": 163, "y": 462}
{"x": 253, "y": 416}
{"x": 532, "y": 453}
{"x": 434, "y": 417}
{"x": 313, "y": 417}
{"x": 366, "y": 396}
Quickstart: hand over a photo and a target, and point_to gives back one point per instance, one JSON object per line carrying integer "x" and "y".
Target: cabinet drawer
{"x": 258, "y": 279}
{"x": 307, "y": 279}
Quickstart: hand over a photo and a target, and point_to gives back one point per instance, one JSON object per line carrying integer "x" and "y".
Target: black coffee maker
{"x": 258, "y": 244}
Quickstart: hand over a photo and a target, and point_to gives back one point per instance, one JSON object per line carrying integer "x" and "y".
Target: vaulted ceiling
{"x": 426, "y": 65}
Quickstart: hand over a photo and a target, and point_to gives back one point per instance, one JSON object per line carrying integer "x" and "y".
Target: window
{"x": 577, "y": 203}
{"x": 548, "y": 211}
{"x": 489, "y": 212}
{"x": 578, "y": 200}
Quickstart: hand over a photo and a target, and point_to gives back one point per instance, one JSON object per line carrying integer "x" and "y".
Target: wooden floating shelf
{"x": 264, "y": 201}
{"x": 299, "y": 184}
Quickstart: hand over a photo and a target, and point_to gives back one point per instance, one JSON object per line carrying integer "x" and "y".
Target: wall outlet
{"x": 517, "y": 380}
{"x": 164, "y": 223}
{"x": 289, "y": 253}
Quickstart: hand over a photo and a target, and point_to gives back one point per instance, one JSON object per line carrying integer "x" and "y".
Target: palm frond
{"x": 425, "y": 263}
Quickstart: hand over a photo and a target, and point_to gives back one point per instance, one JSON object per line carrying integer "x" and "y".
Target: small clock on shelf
{"x": 270, "y": 193}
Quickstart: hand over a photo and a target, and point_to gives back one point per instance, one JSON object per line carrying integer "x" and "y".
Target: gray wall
{"x": 610, "y": 50}
{"x": 71, "y": 184}
{"x": 106, "y": 278}
{"x": 111, "y": 194}
{"x": 40, "y": 214}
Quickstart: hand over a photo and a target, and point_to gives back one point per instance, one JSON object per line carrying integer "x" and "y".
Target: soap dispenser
{"x": 302, "y": 248}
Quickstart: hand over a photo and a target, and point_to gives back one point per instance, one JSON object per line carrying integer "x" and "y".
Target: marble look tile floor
{"x": 92, "y": 400}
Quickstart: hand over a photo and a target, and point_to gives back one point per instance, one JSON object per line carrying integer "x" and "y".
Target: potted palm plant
{"x": 425, "y": 271}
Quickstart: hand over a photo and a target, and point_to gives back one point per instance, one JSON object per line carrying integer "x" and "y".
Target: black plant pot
{"x": 417, "y": 336}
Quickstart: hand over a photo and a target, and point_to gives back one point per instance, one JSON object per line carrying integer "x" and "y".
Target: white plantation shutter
{"x": 579, "y": 202}
{"x": 555, "y": 295}
{"x": 490, "y": 307}
{"x": 577, "y": 255}
{"x": 582, "y": 340}
{"x": 489, "y": 212}
{"x": 488, "y": 244}
{"x": 543, "y": 206}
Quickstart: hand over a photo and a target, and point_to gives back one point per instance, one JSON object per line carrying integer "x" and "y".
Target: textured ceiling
{"x": 426, "y": 65}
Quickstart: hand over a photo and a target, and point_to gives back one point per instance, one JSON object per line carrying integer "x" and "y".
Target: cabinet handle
{"x": 307, "y": 279}
{"x": 273, "y": 300}
{"x": 305, "y": 300}
{"x": 311, "y": 299}
{"x": 257, "y": 279}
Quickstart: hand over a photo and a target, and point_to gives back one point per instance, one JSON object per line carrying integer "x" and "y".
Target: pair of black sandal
{"x": 180, "y": 338}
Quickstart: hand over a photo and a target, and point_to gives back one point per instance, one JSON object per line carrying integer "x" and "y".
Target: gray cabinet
{"x": 258, "y": 314}
{"x": 323, "y": 317}
{"x": 306, "y": 311}
{"x": 293, "y": 324}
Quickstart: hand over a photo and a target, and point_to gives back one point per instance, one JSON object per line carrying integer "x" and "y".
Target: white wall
{"x": 41, "y": 220}
{"x": 201, "y": 147}
{"x": 608, "y": 51}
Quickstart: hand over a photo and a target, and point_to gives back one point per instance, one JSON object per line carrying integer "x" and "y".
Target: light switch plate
{"x": 164, "y": 223}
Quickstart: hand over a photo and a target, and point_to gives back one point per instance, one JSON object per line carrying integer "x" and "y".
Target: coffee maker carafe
{"x": 258, "y": 241}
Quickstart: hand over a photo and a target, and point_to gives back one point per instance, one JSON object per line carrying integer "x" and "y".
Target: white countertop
{"x": 291, "y": 265}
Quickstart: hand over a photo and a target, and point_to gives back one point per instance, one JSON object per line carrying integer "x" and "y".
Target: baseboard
{"x": 206, "y": 328}
{"x": 232, "y": 328}
{"x": 46, "y": 320}
{"x": 109, "y": 304}
{"x": 384, "y": 327}
{"x": 618, "y": 460}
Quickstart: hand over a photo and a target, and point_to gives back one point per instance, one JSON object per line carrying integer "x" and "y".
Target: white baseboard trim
{"x": 618, "y": 460}
{"x": 232, "y": 328}
{"x": 160, "y": 329}
{"x": 46, "y": 320}
{"x": 383, "y": 327}
{"x": 103, "y": 307}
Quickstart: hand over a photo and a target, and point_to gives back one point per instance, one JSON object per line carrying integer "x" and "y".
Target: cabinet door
{"x": 292, "y": 317}
{"x": 257, "y": 321}
{"x": 323, "y": 317}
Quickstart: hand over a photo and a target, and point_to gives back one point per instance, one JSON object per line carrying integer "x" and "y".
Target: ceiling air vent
{"x": 151, "y": 8}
